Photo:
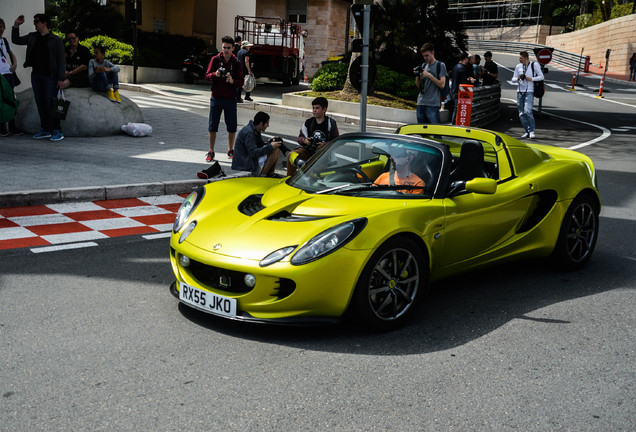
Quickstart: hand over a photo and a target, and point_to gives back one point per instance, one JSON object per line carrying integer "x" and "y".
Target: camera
{"x": 283, "y": 148}
{"x": 522, "y": 77}
{"x": 223, "y": 72}
{"x": 418, "y": 69}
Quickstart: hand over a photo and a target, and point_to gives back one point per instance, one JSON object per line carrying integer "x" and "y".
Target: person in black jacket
{"x": 461, "y": 75}
{"x": 45, "y": 54}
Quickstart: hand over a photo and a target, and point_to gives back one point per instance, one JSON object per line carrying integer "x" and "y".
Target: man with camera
{"x": 253, "y": 154}
{"x": 315, "y": 133}
{"x": 525, "y": 74}
{"x": 430, "y": 78}
{"x": 226, "y": 74}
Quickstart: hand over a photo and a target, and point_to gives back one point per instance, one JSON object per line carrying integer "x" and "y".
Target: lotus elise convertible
{"x": 367, "y": 223}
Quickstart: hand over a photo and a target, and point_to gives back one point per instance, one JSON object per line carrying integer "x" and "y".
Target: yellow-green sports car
{"x": 367, "y": 223}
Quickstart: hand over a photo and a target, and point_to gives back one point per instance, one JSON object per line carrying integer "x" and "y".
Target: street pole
{"x": 578, "y": 69}
{"x": 366, "y": 26}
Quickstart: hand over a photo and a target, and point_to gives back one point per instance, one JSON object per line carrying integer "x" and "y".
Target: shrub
{"x": 395, "y": 83}
{"x": 116, "y": 52}
{"x": 331, "y": 76}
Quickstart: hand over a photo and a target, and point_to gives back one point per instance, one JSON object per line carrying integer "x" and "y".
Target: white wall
{"x": 9, "y": 11}
{"x": 227, "y": 10}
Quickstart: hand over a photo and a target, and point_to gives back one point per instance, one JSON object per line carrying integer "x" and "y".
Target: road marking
{"x": 63, "y": 247}
{"x": 606, "y": 132}
{"x": 157, "y": 236}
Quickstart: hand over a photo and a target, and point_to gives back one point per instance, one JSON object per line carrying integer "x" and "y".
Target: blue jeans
{"x": 105, "y": 80}
{"x": 525, "y": 103}
{"x": 427, "y": 114}
{"x": 44, "y": 91}
{"x": 228, "y": 107}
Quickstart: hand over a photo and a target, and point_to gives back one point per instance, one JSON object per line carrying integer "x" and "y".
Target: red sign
{"x": 464, "y": 105}
{"x": 544, "y": 56}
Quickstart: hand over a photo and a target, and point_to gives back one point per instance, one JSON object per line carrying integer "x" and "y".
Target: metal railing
{"x": 486, "y": 105}
{"x": 574, "y": 61}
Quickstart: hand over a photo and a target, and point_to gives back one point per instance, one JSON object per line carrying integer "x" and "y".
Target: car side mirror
{"x": 482, "y": 185}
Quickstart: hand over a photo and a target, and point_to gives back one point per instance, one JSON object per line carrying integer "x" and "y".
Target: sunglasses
{"x": 70, "y": 38}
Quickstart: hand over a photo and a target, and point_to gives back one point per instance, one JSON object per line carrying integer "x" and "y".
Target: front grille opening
{"x": 222, "y": 279}
{"x": 251, "y": 205}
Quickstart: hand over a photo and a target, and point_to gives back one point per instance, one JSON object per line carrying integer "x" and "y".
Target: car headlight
{"x": 186, "y": 209}
{"x": 328, "y": 241}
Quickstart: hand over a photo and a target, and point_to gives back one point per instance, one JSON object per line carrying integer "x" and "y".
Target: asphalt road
{"x": 92, "y": 340}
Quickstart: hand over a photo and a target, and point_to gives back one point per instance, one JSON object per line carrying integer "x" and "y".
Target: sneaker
{"x": 15, "y": 131}
{"x": 239, "y": 100}
{"x": 57, "y": 135}
{"x": 531, "y": 135}
{"x": 247, "y": 98}
{"x": 525, "y": 135}
{"x": 110, "y": 94}
{"x": 42, "y": 134}
{"x": 230, "y": 153}
{"x": 209, "y": 156}
{"x": 4, "y": 131}
{"x": 117, "y": 97}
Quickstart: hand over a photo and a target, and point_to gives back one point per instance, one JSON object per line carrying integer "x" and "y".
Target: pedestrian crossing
{"x": 160, "y": 101}
{"x": 50, "y": 227}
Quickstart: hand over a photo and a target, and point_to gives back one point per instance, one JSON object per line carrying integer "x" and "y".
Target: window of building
{"x": 297, "y": 11}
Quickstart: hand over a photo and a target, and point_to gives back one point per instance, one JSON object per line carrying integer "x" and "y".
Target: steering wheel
{"x": 358, "y": 173}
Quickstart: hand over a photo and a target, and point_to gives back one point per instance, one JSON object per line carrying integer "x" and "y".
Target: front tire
{"x": 578, "y": 234}
{"x": 390, "y": 285}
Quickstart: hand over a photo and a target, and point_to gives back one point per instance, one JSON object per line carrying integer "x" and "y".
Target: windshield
{"x": 383, "y": 167}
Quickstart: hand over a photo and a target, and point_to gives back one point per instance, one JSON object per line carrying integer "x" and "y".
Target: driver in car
{"x": 400, "y": 172}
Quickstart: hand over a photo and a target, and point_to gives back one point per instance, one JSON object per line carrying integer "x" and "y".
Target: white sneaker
{"x": 531, "y": 135}
{"x": 525, "y": 135}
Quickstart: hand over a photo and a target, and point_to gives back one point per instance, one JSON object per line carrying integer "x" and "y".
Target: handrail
{"x": 574, "y": 61}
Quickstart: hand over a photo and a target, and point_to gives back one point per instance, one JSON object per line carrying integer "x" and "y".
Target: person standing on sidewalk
{"x": 431, "y": 78}
{"x": 8, "y": 64}
{"x": 462, "y": 74}
{"x": 243, "y": 57}
{"x": 632, "y": 68}
{"x": 491, "y": 70}
{"x": 525, "y": 74}
{"x": 226, "y": 74}
{"x": 45, "y": 54}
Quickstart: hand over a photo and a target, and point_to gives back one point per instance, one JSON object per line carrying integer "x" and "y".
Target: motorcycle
{"x": 195, "y": 66}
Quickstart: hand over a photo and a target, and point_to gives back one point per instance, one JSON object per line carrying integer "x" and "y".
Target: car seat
{"x": 471, "y": 162}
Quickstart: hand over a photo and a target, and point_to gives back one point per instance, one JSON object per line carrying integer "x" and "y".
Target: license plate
{"x": 185, "y": 69}
{"x": 206, "y": 301}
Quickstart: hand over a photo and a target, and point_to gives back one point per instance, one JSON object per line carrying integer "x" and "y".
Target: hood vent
{"x": 251, "y": 205}
{"x": 285, "y": 216}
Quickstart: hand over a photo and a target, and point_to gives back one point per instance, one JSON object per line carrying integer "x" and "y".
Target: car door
{"x": 477, "y": 224}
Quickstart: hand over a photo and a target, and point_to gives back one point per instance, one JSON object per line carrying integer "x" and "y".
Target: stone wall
{"x": 619, "y": 35}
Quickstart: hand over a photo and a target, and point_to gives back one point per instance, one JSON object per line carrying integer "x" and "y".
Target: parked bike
{"x": 195, "y": 66}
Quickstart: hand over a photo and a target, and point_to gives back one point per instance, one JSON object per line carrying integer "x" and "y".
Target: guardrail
{"x": 574, "y": 61}
{"x": 486, "y": 105}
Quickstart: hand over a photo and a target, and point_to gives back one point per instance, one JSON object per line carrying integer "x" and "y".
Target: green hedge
{"x": 332, "y": 77}
{"x": 116, "y": 52}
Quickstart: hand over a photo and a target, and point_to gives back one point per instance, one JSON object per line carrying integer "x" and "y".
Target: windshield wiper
{"x": 368, "y": 186}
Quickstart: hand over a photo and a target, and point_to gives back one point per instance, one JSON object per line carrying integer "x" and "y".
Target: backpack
{"x": 8, "y": 104}
{"x": 443, "y": 93}
{"x": 539, "y": 86}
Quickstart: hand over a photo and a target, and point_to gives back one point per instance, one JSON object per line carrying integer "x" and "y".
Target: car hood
{"x": 250, "y": 218}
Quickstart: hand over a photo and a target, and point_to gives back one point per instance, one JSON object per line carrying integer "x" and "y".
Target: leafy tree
{"x": 87, "y": 18}
{"x": 403, "y": 26}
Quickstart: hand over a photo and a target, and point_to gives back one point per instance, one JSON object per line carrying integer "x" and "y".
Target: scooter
{"x": 194, "y": 67}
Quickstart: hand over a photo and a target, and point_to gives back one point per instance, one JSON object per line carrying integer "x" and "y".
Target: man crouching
{"x": 253, "y": 154}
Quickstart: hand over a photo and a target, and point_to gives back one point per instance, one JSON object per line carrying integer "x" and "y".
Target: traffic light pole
{"x": 366, "y": 27}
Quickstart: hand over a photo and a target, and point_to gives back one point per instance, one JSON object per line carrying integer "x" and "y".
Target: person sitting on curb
{"x": 400, "y": 172}
{"x": 103, "y": 75}
{"x": 251, "y": 153}
{"x": 315, "y": 133}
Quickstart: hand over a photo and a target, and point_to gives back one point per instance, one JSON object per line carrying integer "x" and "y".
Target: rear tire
{"x": 578, "y": 234}
{"x": 390, "y": 286}
{"x": 188, "y": 77}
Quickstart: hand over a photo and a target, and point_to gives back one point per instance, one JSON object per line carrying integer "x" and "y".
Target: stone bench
{"x": 90, "y": 113}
